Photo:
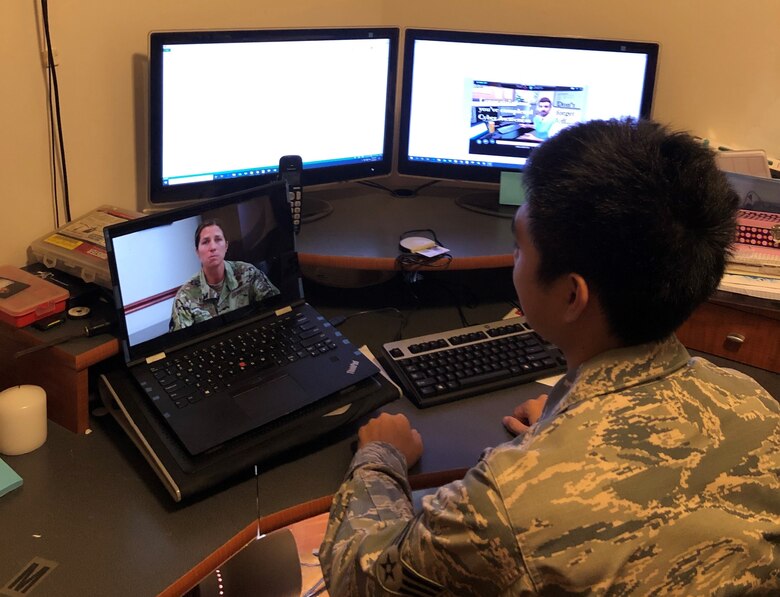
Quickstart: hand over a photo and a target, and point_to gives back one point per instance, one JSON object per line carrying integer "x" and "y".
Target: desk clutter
{"x": 25, "y": 298}
{"x": 753, "y": 268}
{"x": 78, "y": 247}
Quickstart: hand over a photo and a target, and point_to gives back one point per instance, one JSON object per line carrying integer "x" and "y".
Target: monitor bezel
{"x": 486, "y": 174}
{"x": 163, "y": 194}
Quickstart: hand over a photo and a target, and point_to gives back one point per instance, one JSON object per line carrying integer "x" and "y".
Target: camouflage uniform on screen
{"x": 196, "y": 301}
{"x": 648, "y": 473}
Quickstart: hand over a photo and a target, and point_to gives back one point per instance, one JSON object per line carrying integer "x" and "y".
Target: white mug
{"x": 23, "y": 425}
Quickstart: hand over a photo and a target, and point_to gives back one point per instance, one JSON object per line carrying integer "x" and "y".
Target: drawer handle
{"x": 735, "y": 338}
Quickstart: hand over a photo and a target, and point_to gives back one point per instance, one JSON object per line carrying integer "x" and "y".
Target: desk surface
{"x": 91, "y": 504}
{"x": 363, "y": 230}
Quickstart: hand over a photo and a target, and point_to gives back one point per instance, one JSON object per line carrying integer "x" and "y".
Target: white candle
{"x": 22, "y": 419}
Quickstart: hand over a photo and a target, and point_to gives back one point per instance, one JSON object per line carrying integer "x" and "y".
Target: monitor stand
{"x": 486, "y": 202}
{"x": 314, "y": 209}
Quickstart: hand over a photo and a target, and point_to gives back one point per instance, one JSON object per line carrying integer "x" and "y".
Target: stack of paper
{"x": 758, "y": 286}
{"x": 752, "y": 260}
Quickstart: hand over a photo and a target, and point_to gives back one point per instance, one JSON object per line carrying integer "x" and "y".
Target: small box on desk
{"x": 78, "y": 247}
{"x": 25, "y": 298}
{"x": 81, "y": 293}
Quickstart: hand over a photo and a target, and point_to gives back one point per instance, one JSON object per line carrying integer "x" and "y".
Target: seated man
{"x": 645, "y": 471}
{"x": 220, "y": 286}
{"x": 545, "y": 122}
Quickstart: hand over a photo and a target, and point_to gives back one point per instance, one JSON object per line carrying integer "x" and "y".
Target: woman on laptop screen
{"x": 220, "y": 285}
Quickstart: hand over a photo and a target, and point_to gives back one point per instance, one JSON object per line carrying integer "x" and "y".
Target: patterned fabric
{"x": 196, "y": 301}
{"x": 653, "y": 473}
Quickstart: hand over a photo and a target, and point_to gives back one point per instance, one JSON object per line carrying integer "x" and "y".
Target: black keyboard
{"x": 192, "y": 375}
{"x": 459, "y": 363}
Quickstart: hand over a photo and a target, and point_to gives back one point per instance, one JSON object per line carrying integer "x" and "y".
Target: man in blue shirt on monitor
{"x": 543, "y": 121}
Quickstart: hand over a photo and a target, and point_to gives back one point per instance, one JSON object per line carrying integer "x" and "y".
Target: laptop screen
{"x": 184, "y": 273}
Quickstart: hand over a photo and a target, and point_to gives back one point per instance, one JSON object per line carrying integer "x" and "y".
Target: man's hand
{"x": 395, "y": 430}
{"x": 525, "y": 415}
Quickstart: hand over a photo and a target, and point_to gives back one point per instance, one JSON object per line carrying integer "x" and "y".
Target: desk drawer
{"x": 746, "y": 337}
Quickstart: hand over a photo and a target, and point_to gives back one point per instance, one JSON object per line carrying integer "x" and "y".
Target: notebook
{"x": 222, "y": 356}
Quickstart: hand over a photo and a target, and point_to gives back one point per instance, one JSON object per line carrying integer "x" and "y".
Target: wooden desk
{"x": 363, "y": 231}
{"x": 307, "y": 524}
{"x": 92, "y": 504}
{"x": 737, "y": 328}
{"x": 62, "y": 370}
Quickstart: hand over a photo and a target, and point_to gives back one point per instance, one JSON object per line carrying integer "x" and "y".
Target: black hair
{"x": 641, "y": 213}
{"x": 204, "y": 224}
{"x": 544, "y": 99}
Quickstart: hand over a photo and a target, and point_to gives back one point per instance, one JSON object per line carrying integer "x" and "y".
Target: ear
{"x": 578, "y": 299}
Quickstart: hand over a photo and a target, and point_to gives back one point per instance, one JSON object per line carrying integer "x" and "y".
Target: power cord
{"x": 55, "y": 107}
{"x": 397, "y": 192}
{"x": 340, "y": 319}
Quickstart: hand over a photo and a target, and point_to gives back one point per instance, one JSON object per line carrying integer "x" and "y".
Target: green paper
{"x": 9, "y": 480}
{"x": 512, "y": 191}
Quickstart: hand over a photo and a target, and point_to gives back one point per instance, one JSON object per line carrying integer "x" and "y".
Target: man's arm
{"x": 460, "y": 543}
{"x": 181, "y": 315}
{"x": 262, "y": 287}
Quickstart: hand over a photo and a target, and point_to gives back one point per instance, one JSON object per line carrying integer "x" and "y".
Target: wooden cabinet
{"x": 745, "y": 333}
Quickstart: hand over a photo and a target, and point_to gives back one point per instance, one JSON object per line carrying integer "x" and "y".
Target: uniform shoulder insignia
{"x": 397, "y": 577}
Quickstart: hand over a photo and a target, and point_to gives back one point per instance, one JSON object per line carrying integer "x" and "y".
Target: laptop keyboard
{"x": 456, "y": 364}
{"x": 189, "y": 377}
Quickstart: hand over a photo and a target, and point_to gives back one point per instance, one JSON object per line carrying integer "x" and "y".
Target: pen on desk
{"x": 89, "y": 331}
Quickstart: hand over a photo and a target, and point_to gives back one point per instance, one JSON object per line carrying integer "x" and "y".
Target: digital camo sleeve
{"x": 262, "y": 287}
{"x": 181, "y": 315}
{"x": 459, "y": 544}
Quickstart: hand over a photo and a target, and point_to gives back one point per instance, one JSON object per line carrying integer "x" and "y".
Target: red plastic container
{"x": 24, "y": 298}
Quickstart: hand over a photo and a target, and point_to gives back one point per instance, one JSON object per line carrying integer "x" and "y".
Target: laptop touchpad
{"x": 272, "y": 399}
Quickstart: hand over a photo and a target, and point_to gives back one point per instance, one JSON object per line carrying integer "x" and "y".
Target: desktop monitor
{"x": 475, "y": 105}
{"x": 226, "y": 105}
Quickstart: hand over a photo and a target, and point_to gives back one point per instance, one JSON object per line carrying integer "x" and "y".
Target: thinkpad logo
{"x": 352, "y": 367}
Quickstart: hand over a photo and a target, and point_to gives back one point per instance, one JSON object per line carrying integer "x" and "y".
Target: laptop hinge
{"x": 283, "y": 311}
{"x": 155, "y": 357}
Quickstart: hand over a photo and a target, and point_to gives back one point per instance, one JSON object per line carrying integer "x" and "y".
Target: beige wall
{"x": 719, "y": 76}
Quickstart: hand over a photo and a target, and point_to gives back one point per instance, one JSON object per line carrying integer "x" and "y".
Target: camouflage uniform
{"x": 196, "y": 301}
{"x": 649, "y": 473}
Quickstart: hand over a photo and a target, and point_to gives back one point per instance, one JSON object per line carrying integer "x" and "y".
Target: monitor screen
{"x": 476, "y": 104}
{"x": 226, "y": 105}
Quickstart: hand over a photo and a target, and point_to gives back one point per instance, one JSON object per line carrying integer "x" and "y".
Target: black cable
{"x": 413, "y": 261}
{"x": 337, "y": 321}
{"x": 457, "y": 297}
{"x": 53, "y": 155}
{"x": 397, "y": 192}
{"x": 53, "y": 73}
{"x": 516, "y": 305}
{"x": 374, "y": 185}
{"x": 424, "y": 185}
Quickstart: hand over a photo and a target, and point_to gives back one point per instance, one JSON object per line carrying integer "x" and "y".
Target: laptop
{"x": 219, "y": 358}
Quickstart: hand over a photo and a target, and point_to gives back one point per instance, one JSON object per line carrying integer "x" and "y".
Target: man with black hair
{"x": 645, "y": 471}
